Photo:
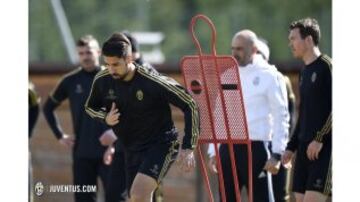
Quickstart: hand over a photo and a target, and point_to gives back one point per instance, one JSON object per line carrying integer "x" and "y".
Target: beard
{"x": 88, "y": 64}
{"x": 119, "y": 76}
{"x": 239, "y": 60}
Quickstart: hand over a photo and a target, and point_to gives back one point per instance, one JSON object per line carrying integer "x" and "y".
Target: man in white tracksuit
{"x": 266, "y": 107}
{"x": 280, "y": 181}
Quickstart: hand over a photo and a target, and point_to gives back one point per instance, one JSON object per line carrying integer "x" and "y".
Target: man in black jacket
{"x": 312, "y": 138}
{"x": 87, "y": 150}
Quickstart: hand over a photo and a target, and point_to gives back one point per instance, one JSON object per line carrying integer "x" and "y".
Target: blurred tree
{"x": 45, "y": 43}
{"x": 268, "y": 18}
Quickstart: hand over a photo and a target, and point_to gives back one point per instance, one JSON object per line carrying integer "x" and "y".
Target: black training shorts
{"x": 313, "y": 175}
{"x": 153, "y": 162}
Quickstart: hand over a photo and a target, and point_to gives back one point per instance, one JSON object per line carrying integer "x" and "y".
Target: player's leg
{"x": 300, "y": 173}
{"x": 155, "y": 164}
{"x": 299, "y": 197}
{"x": 142, "y": 188}
{"x": 103, "y": 173}
{"x": 314, "y": 196}
{"x": 85, "y": 173}
{"x": 319, "y": 183}
{"x": 116, "y": 183}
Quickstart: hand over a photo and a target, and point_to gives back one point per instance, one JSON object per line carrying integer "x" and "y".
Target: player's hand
{"x": 108, "y": 138}
{"x": 272, "y": 165}
{"x": 212, "y": 164}
{"x": 112, "y": 118}
{"x": 186, "y": 160}
{"x": 313, "y": 150}
{"x": 67, "y": 140}
{"x": 108, "y": 155}
{"x": 286, "y": 158}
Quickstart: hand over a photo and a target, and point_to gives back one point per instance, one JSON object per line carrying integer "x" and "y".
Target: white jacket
{"x": 266, "y": 104}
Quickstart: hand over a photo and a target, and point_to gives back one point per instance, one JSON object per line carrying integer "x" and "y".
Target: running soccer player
{"x": 114, "y": 155}
{"x": 135, "y": 102}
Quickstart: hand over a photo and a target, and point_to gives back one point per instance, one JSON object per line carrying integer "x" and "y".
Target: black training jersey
{"x": 141, "y": 62}
{"x": 143, "y": 103}
{"x": 315, "y": 118}
{"x": 76, "y": 86}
